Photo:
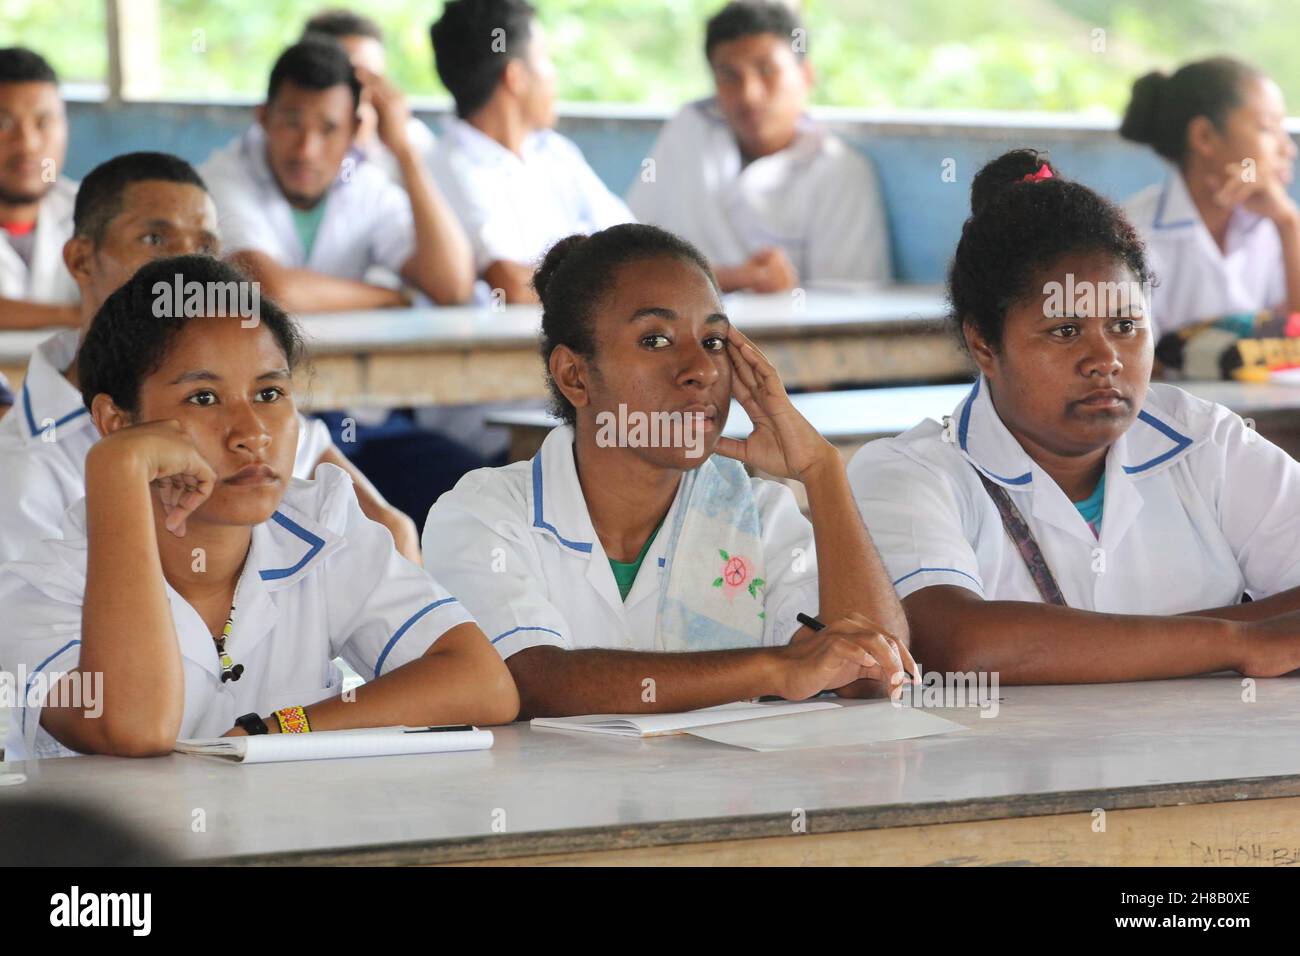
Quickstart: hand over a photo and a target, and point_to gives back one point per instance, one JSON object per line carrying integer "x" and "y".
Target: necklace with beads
{"x": 229, "y": 669}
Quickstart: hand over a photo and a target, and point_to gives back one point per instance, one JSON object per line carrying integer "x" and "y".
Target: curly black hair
{"x": 579, "y": 271}
{"x": 1019, "y": 229}
{"x": 128, "y": 339}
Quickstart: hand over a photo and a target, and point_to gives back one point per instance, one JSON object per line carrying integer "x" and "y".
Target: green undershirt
{"x": 306, "y": 223}
{"x": 625, "y": 571}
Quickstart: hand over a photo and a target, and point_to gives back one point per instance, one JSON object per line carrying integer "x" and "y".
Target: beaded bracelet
{"x": 293, "y": 720}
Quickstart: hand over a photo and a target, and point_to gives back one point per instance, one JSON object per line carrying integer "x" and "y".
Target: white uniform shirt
{"x": 517, "y": 545}
{"x": 817, "y": 199}
{"x": 1195, "y": 279}
{"x": 321, "y": 581}
{"x": 367, "y": 220}
{"x": 1198, "y": 509}
{"x": 46, "y": 279}
{"x": 514, "y": 209}
{"x": 43, "y": 444}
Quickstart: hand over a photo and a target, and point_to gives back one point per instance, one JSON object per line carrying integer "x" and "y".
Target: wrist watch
{"x": 251, "y": 724}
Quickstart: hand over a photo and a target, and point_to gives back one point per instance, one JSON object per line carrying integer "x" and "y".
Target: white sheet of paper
{"x": 859, "y": 725}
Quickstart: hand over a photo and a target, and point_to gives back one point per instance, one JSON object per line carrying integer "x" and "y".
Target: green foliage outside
{"x": 1072, "y": 55}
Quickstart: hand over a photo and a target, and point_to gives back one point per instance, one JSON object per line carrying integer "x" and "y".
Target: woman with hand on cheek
{"x": 1222, "y": 232}
{"x": 203, "y": 589}
{"x": 626, "y": 568}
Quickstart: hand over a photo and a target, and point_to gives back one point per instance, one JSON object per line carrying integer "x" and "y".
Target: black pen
{"x": 446, "y": 728}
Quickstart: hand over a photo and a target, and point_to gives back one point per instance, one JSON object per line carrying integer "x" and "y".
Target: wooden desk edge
{"x": 507, "y": 847}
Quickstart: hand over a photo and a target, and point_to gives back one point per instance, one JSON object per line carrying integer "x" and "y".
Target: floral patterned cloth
{"x": 713, "y": 592}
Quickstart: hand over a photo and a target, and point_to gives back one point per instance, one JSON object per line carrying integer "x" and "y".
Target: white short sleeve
{"x": 41, "y": 640}
{"x": 849, "y": 238}
{"x": 1256, "y": 486}
{"x": 914, "y": 520}
{"x": 476, "y": 542}
{"x": 383, "y": 610}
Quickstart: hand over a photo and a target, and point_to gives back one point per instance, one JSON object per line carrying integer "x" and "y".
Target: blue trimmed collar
{"x": 555, "y": 495}
{"x": 288, "y": 547}
{"x": 47, "y": 399}
{"x": 1175, "y": 211}
{"x": 1151, "y": 443}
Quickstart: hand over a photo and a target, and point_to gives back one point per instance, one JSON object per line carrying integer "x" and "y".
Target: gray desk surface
{"x": 862, "y": 414}
{"x": 831, "y": 310}
{"x": 1049, "y": 750}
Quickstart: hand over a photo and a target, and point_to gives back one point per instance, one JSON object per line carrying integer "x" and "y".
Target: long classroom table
{"x": 1192, "y": 772}
{"x": 852, "y": 417}
{"x": 467, "y": 354}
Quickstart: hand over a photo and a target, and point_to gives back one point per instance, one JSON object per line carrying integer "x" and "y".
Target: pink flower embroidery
{"x": 737, "y": 573}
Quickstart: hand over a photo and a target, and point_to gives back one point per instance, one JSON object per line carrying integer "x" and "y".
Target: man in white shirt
{"x": 35, "y": 201}
{"x": 310, "y": 222}
{"x": 516, "y": 184}
{"x": 363, "y": 40}
{"x": 130, "y": 210}
{"x": 772, "y": 198}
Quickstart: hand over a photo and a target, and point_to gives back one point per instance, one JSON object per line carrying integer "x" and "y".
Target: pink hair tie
{"x": 1044, "y": 172}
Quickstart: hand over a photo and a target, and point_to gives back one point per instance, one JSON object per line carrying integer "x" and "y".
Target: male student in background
{"x": 363, "y": 41}
{"x": 516, "y": 184}
{"x": 129, "y": 210}
{"x": 310, "y": 222}
{"x": 35, "y": 200}
{"x": 769, "y": 196}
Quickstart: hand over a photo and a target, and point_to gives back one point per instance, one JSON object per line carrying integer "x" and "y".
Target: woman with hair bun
{"x": 1222, "y": 233}
{"x": 1071, "y": 522}
{"x": 632, "y": 565}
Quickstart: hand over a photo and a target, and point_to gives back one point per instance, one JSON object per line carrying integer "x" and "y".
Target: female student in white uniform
{"x": 1144, "y": 513}
{"x": 595, "y": 565}
{"x": 1222, "y": 234}
{"x": 199, "y": 590}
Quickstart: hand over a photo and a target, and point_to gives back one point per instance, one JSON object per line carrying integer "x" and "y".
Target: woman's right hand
{"x": 165, "y": 454}
{"x": 847, "y": 650}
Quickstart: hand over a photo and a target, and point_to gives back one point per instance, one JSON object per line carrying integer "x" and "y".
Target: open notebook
{"x": 659, "y": 725}
{"x": 326, "y": 744}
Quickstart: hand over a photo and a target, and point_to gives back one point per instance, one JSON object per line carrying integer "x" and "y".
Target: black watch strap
{"x": 252, "y": 724}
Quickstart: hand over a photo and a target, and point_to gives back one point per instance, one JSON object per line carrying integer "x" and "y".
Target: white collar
{"x": 559, "y": 511}
{"x": 1153, "y": 442}
{"x": 48, "y": 399}
{"x": 1175, "y": 211}
{"x": 555, "y": 494}
{"x": 487, "y": 150}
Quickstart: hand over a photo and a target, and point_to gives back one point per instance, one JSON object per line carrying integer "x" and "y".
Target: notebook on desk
{"x": 331, "y": 744}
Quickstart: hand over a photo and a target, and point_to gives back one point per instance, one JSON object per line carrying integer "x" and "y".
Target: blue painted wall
{"x": 925, "y": 213}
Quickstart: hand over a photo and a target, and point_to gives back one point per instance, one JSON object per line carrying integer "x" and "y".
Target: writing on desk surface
{"x": 1241, "y": 854}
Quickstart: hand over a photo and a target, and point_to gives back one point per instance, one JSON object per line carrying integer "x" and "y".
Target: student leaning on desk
{"x": 199, "y": 590}
{"x": 1074, "y": 522}
{"x": 623, "y": 571}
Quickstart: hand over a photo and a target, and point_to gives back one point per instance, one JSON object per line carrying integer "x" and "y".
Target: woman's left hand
{"x": 782, "y": 443}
